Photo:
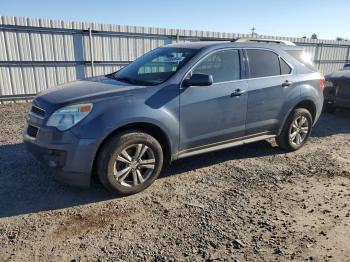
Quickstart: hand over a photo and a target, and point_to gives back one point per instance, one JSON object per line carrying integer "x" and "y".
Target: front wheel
{"x": 296, "y": 130}
{"x": 129, "y": 162}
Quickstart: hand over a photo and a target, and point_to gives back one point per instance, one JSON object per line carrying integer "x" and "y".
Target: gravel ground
{"x": 249, "y": 203}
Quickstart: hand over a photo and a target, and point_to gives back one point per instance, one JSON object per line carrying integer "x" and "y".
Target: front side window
{"x": 263, "y": 63}
{"x": 223, "y": 66}
{"x": 156, "y": 66}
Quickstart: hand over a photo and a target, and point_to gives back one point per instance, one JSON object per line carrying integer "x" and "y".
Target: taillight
{"x": 322, "y": 83}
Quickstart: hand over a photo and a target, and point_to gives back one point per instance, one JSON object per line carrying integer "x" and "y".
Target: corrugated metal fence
{"x": 36, "y": 54}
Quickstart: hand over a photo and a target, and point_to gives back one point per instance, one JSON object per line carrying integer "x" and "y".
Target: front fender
{"x": 112, "y": 114}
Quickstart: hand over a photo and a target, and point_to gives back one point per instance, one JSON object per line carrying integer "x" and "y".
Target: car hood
{"x": 339, "y": 75}
{"x": 85, "y": 90}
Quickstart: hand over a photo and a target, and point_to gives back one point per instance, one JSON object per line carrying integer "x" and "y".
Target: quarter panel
{"x": 309, "y": 91}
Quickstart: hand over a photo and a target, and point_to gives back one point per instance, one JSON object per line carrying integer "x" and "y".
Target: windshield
{"x": 346, "y": 67}
{"x": 155, "y": 67}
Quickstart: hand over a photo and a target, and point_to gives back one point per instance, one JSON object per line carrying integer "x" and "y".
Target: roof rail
{"x": 264, "y": 40}
{"x": 217, "y": 39}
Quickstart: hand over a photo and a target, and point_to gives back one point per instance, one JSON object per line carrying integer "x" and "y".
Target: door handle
{"x": 286, "y": 83}
{"x": 237, "y": 92}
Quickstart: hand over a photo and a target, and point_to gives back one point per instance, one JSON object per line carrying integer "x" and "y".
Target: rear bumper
{"x": 69, "y": 159}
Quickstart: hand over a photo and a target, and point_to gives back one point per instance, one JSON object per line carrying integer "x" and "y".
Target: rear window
{"x": 302, "y": 57}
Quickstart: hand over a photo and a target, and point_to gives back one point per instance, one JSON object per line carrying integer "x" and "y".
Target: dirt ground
{"x": 249, "y": 203}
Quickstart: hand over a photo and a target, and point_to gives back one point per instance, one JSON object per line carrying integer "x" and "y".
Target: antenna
{"x": 253, "y": 31}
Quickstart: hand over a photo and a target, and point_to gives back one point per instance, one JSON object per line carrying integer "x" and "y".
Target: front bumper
{"x": 67, "y": 157}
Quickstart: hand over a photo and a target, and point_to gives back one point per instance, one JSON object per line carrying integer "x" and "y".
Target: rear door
{"x": 216, "y": 113}
{"x": 270, "y": 85}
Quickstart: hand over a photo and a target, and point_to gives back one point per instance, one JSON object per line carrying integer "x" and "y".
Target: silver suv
{"x": 175, "y": 101}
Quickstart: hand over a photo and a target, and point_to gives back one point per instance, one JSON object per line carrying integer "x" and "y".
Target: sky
{"x": 296, "y": 18}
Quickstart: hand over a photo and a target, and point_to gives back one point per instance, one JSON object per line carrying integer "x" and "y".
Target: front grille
{"x": 32, "y": 131}
{"x": 38, "y": 111}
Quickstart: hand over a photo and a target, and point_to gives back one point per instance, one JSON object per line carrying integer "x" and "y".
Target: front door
{"x": 216, "y": 113}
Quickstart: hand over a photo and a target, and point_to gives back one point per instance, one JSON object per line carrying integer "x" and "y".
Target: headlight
{"x": 329, "y": 84}
{"x": 67, "y": 117}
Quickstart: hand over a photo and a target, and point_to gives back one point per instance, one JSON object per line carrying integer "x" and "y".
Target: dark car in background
{"x": 337, "y": 90}
{"x": 176, "y": 101}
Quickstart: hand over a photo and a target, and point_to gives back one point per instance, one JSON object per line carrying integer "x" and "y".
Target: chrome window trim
{"x": 242, "y": 79}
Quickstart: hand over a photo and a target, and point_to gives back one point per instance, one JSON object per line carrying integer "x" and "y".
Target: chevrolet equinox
{"x": 173, "y": 102}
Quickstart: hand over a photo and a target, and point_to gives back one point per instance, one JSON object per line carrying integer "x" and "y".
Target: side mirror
{"x": 198, "y": 80}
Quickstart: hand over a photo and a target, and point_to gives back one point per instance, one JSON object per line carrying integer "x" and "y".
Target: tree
{"x": 313, "y": 36}
{"x": 342, "y": 39}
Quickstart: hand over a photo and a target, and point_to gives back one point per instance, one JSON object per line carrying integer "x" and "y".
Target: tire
{"x": 329, "y": 107}
{"x": 125, "y": 162}
{"x": 292, "y": 126}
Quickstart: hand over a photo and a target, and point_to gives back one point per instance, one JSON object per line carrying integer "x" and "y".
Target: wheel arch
{"x": 308, "y": 104}
{"x": 149, "y": 128}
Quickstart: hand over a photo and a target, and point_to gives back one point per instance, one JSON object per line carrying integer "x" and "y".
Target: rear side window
{"x": 285, "y": 68}
{"x": 263, "y": 63}
{"x": 302, "y": 57}
{"x": 223, "y": 66}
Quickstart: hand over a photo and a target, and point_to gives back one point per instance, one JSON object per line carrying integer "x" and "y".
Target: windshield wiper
{"x": 125, "y": 79}
{"x": 130, "y": 80}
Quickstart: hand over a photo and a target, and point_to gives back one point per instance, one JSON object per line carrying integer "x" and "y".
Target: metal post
{"x": 91, "y": 52}
{"x": 320, "y": 56}
{"x": 79, "y": 55}
{"x": 177, "y": 38}
{"x": 316, "y": 53}
{"x": 347, "y": 57}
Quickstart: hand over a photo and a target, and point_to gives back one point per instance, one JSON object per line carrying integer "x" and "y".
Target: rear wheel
{"x": 129, "y": 162}
{"x": 296, "y": 130}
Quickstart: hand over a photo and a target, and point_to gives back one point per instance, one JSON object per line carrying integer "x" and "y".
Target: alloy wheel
{"x": 299, "y": 130}
{"x": 134, "y": 165}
